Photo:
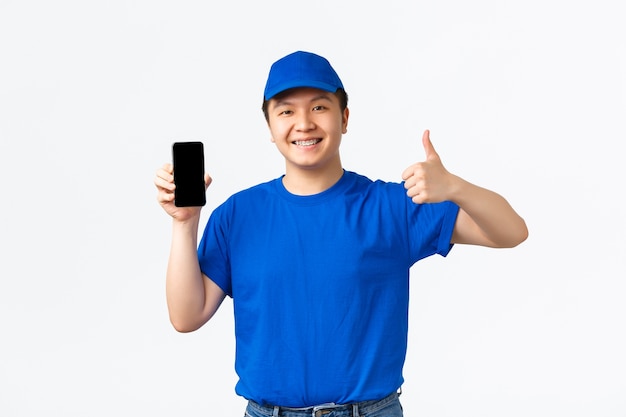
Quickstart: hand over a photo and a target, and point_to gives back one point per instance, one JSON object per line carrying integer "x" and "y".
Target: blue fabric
{"x": 301, "y": 69}
{"x": 320, "y": 286}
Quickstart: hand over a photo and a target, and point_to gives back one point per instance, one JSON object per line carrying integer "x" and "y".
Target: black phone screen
{"x": 188, "y": 161}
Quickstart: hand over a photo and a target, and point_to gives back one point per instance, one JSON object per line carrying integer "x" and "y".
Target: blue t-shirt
{"x": 320, "y": 286}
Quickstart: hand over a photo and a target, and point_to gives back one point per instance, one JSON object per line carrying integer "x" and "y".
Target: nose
{"x": 304, "y": 122}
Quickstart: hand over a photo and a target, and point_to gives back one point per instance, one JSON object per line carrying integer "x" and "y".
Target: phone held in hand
{"x": 188, "y": 161}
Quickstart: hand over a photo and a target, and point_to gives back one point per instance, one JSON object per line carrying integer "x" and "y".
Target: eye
{"x": 285, "y": 113}
{"x": 319, "y": 108}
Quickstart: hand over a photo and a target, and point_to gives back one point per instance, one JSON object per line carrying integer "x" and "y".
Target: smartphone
{"x": 188, "y": 161}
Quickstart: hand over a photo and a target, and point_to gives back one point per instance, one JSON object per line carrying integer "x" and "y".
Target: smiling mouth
{"x": 309, "y": 142}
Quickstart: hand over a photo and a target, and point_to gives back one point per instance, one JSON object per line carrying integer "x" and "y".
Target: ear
{"x": 344, "y": 120}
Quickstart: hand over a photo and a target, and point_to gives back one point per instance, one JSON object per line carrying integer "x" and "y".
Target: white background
{"x": 525, "y": 98}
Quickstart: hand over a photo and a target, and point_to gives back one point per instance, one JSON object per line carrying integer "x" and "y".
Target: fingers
{"x": 164, "y": 197}
{"x": 429, "y": 150}
{"x": 420, "y": 178}
{"x": 166, "y": 172}
{"x": 414, "y": 178}
{"x": 408, "y": 173}
{"x": 165, "y": 178}
{"x": 164, "y": 181}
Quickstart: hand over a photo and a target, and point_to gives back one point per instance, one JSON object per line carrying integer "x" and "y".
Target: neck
{"x": 309, "y": 182}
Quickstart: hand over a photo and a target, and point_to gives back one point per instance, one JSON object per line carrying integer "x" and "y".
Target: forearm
{"x": 486, "y": 218}
{"x": 184, "y": 281}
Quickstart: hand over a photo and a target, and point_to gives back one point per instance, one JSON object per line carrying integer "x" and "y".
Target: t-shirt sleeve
{"x": 431, "y": 228}
{"x": 448, "y": 221}
{"x": 213, "y": 251}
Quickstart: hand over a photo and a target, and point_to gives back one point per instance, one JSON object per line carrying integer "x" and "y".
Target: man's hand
{"x": 428, "y": 181}
{"x": 164, "y": 182}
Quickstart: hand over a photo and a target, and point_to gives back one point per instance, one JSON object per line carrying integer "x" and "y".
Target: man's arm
{"x": 485, "y": 217}
{"x": 192, "y": 298}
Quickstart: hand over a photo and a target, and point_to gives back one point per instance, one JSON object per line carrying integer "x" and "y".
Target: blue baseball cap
{"x": 301, "y": 69}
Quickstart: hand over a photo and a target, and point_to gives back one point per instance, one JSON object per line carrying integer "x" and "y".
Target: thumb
{"x": 429, "y": 149}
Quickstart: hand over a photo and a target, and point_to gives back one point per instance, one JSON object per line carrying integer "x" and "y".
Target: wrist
{"x": 186, "y": 224}
{"x": 457, "y": 187}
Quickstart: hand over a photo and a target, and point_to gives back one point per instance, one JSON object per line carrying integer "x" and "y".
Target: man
{"x": 317, "y": 261}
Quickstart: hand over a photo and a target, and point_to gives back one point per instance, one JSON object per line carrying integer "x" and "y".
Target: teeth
{"x": 306, "y": 142}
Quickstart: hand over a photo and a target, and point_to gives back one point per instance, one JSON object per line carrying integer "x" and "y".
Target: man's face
{"x": 306, "y": 125}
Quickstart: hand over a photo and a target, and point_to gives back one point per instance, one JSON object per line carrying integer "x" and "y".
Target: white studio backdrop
{"x": 525, "y": 98}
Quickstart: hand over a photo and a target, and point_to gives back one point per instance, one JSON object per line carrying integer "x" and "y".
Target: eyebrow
{"x": 285, "y": 101}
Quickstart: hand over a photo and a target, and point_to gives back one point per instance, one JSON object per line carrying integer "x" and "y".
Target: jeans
{"x": 387, "y": 407}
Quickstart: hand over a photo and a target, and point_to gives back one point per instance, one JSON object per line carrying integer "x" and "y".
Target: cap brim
{"x": 271, "y": 92}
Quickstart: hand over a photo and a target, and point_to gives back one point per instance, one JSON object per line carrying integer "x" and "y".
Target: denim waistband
{"x": 360, "y": 408}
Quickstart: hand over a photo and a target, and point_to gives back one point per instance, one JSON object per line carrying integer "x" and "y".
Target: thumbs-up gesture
{"x": 428, "y": 181}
